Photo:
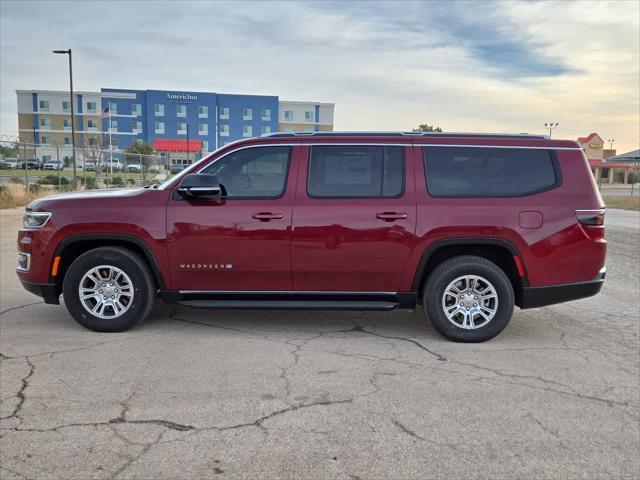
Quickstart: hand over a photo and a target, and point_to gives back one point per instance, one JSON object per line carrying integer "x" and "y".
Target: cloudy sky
{"x": 465, "y": 66}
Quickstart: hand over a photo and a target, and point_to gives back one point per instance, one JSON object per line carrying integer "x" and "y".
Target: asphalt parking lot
{"x": 253, "y": 394}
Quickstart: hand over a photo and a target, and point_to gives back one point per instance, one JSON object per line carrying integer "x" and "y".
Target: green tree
{"x": 143, "y": 151}
{"x": 9, "y": 150}
{"x": 426, "y": 128}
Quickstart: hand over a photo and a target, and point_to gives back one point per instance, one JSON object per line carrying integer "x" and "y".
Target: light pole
{"x": 611, "y": 143}
{"x": 551, "y": 126}
{"x": 73, "y": 123}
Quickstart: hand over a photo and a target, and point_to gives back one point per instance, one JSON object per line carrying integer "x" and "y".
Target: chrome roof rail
{"x": 417, "y": 134}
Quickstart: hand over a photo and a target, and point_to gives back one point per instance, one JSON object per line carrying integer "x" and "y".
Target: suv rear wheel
{"x": 109, "y": 289}
{"x": 468, "y": 299}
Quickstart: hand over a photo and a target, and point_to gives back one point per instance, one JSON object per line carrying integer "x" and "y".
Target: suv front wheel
{"x": 468, "y": 299}
{"x": 109, "y": 289}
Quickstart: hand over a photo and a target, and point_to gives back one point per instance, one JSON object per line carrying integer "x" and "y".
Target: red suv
{"x": 467, "y": 225}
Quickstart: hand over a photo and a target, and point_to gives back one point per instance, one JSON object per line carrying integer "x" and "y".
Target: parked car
{"x": 465, "y": 225}
{"x": 178, "y": 167}
{"x": 134, "y": 168}
{"x": 89, "y": 166}
{"x": 113, "y": 165}
{"x": 31, "y": 164}
{"x": 53, "y": 165}
{"x": 9, "y": 163}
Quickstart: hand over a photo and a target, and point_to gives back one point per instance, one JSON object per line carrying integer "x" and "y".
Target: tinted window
{"x": 488, "y": 172}
{"x": 356, "y": 171}
{"x": 253, "y": 172}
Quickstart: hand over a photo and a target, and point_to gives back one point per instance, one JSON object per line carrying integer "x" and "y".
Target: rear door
{"x": 354, "y": 218}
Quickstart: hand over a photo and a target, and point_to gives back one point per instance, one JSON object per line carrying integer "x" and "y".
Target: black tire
{"x": 447, "y": 272}
{"x": 134, "y": 266}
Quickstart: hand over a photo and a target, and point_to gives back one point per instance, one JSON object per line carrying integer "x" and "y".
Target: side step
{"x": 291, "y": 304}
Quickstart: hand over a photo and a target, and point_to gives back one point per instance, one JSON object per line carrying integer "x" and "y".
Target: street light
{"x": 551, "y": 126}
{"x": 73, "y": 123}
{"x": 611, "y": 143}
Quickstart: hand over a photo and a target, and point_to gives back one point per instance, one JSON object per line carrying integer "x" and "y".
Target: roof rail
{"x": 417, "y": 134}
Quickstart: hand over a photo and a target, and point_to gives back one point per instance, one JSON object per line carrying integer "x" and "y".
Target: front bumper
{"x": 47, "y": 291}
{"x": 533, "y": 297}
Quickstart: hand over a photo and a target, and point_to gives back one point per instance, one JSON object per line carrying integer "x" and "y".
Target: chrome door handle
{"x": 391, "y": 216}
{"x": 266, "y": 216}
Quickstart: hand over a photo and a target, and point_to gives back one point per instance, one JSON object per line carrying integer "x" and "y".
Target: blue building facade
{"x": 211, "y": 118}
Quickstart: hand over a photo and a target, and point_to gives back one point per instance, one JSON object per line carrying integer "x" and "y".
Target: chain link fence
{"x": 51, "y": 167}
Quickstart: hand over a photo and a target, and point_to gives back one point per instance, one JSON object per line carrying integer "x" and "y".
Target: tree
{"x": 426, "y": 128}
{"x": 144, "y": 152}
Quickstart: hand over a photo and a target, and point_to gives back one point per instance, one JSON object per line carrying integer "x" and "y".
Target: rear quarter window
{"x": 489, "y": 172}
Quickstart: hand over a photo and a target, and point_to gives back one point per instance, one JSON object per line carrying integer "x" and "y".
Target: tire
{"x": 469, "y": 316}
{"x": 136, "y": 293}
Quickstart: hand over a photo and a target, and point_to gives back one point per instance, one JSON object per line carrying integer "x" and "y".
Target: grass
{"x": 626, "y": 203}
{"x": 67, "y": 172}
{"x": 15, "y": 195}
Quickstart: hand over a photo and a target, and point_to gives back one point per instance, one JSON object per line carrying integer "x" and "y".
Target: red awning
{"x": 177, "y": 145}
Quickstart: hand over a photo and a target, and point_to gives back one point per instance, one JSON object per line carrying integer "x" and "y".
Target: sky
{"x": 463, "y": 66}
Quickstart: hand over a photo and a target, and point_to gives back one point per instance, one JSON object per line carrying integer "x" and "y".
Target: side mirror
{"x": 200, "y": 185}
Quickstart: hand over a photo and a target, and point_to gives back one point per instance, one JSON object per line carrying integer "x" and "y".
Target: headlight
{"x": 35, "y": 219}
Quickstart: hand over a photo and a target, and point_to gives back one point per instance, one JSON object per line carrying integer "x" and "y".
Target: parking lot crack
{"x": 360, "y": 329}
{"x": 22, "y": 397}
{"x": 7, "y": 310}
{"x": 406, "y": 430}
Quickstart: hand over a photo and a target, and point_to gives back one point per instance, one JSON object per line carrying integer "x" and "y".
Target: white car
{"x": 134, "y": 168}
{"x": 114, "y": 165}
{"x": 53, "y": 165}
{"x": 9, "y": 163}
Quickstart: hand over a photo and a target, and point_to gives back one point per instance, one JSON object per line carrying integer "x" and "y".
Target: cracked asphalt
{"x": 266, "y": 394}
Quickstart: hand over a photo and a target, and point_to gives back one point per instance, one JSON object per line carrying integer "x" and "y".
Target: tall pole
{"x": 551, "y": 126}
{"x": 73, "y": 122}
{"x": 187, "y": 143}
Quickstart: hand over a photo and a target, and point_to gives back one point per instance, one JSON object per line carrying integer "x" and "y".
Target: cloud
{"x": 387, "y": 65}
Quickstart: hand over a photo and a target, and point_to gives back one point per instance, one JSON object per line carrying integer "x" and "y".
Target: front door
{"x": 241, "y": 242}
{"x": 354, "y": 219}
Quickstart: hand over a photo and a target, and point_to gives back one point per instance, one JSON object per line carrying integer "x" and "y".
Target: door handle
{"x": 391, "y": 216}
{"x": 266, "y": 216}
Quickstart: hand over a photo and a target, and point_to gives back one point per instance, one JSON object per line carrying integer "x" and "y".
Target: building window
{"x": 288, "y": 115}
{"x": 159, "y": 127}
{"x": 113, "y": 108}
{"x": 93, "y": 141}
{"x": 45, "y": 123}
{"x": 66, "y": 106}
{"x": 92, "y": 107}
{"x": 203, "y": 129}
{"x": 224, "y": 130}
{"x": 182, "y": 128}
{"x": 247, "y": 131}
{"x": 92, "y": 125}
{"x": 266, "y": 114}
{"x": 66, "y": 124}
{"x": 67, "y": 141}
{"x": 44, "y": 106}
{"x": 205, "y": 146}
{"x": 46, "y": 158}
{"x": 224, "y": 113}
{"x": 159, "y": 110}
{"x": 137, "y": 126}
{"x": 181, "y": 110}
{"x": 136, "y": 109}
{"x": 203, "y": 111}
{"x": 114, "y": 142}
{"x": 308, "y": 116}
{"x": 114, "y": 126}
{"x": 247, "y": 114}
{"x": 266, "y": 129}
{"x": 45, "y": 139}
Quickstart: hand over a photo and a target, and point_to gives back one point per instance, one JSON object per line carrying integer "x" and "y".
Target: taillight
{"x": 592, "y": 222}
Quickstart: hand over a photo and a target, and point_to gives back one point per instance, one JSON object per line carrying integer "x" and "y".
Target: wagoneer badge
{"x": 206, "y": 266}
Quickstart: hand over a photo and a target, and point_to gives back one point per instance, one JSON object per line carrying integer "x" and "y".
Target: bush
{"x": 35, "y": 189}
{"x": 117, "y": 181}
{"x": 633, "y": 178}
{"x": 16, "y": 180}
{"x": 53, "y": 180}
{"x": 91, "y": 183}
{"x": 131, "y": 181}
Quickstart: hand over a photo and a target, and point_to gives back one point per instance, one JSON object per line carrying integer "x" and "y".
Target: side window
{"x": 356, "y": 171}
{"x": 259, "y": 172}
{"x": 488, "y": 172}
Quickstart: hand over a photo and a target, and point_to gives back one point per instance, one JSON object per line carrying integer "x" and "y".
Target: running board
{"x": 295, "y": 300}
{"x": 290, "y": 304}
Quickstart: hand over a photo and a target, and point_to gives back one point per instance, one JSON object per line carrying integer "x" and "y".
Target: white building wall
{"x": 299, "y": 109}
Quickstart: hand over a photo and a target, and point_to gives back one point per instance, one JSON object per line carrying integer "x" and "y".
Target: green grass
{"x": 68, "y": 172}
{"x": 626, "y": 203}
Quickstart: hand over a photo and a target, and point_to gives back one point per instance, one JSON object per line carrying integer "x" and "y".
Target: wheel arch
{"x": 501, "y": 252}
{"x": 71, "y": 247}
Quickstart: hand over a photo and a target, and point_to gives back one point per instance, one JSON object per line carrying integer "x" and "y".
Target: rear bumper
{"x": 47, "y": 291}
{"x": 533, "y": 297}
